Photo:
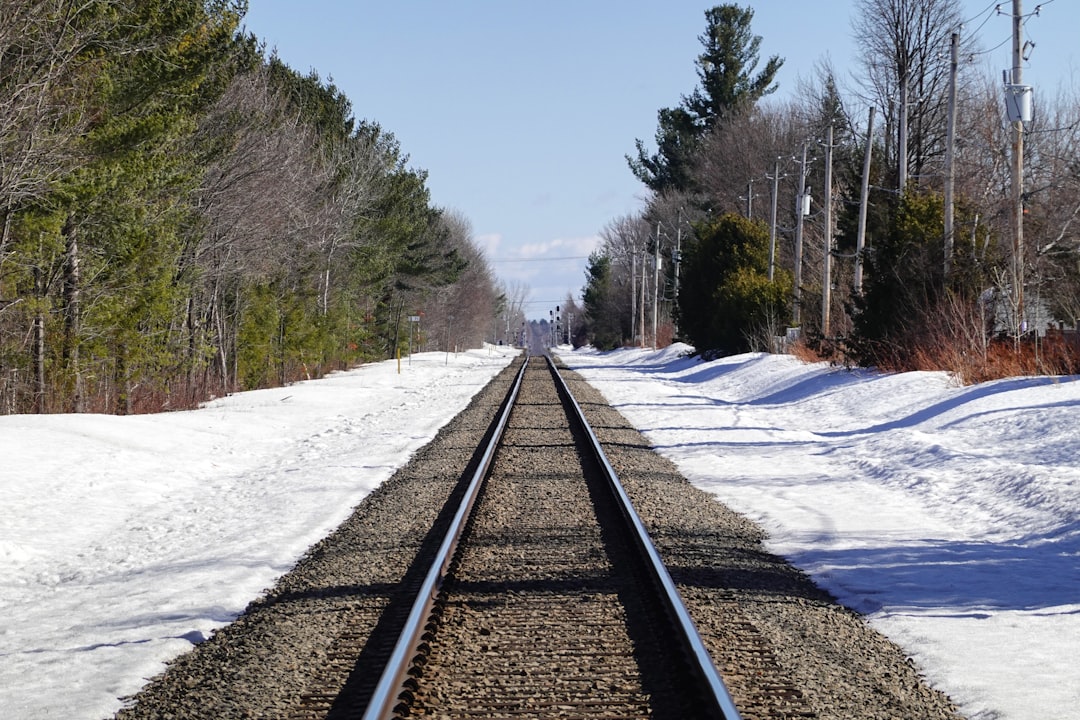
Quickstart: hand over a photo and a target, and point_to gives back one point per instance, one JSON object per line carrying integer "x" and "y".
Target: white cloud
{"x": 489, "y": 243}
{"x": 561, "y": 247}
{"x": 550, "y": 269}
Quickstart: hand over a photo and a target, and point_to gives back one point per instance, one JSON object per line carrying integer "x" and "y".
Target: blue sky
{"x": 522, "y": 113}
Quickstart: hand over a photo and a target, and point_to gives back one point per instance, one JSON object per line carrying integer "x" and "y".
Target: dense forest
{"x": 184, "y": 215}
{"x": 906, "y": 221}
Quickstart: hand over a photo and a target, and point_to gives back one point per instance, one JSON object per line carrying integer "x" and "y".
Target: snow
{"x": 948, "y": 515}
{"x": 124, "y": 540}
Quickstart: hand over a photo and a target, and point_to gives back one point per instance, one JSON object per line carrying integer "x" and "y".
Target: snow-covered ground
{"x": 123, "y": 540}
{"x": 948, "y": 515}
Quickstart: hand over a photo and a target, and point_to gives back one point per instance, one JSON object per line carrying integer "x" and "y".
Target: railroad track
{"x": 547, "y": 598}
{"x": 537, "y": 618}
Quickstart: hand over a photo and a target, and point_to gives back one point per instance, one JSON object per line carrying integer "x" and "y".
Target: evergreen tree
{"x": 415, "y": 251}
{"x": 727, "y": 85}
{"x": 118, "y": 214}
{"x": 725, "y": 297}
{"x": 130, "y": 203}
{"x": 902, "y": 311}
{"x": 601, "y": 309}
{"x": 726, "y": 67}
{"x": 196, "y": 216}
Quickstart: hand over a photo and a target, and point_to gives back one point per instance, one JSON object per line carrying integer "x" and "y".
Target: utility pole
{"x": 902, "y": 140}
{"x": 750, "y": 200}
{"x": 656, "y": 285}
{"x": 1018, "y": 170}
{"x": 676, "y": 257}
{"x": 864, "y": 200}
{"x": 800, "y": 210}
{"x": 772, "y": 222}
{"x": 950, "y": 144}
{"x": 641, "y": 305}
{"x": 826, "y": 282}
{"x": 633, "y": 294}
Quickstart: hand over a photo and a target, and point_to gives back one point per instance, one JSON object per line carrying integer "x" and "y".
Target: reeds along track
{"x": 548, "y": 599}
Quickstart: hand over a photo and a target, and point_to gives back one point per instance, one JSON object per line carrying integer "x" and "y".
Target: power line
{"x": 998, "y": 11}
{"x": 984, "y": 52}
{"x": 548, "y": 259}
{"x": 994, "y": 4}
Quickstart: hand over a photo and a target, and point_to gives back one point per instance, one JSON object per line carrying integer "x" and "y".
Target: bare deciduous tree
{"x": 466, "y": 312}
{"x": 44, "y": 75}
{"x": 904, "y": 50}
{"x": 257, "y": 195}
{"x": 516, "y": 294}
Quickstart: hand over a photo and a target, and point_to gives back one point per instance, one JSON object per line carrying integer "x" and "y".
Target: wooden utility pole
{"x": 656, "y": 287}
{"x": 826, "y": 282}
{"x": 772, "y": 223}
{"x": 676, "y": 258}
{"x": 633, "y": 295}
{"x": 902, "y": 139}
{"x": 799, "y": 212}
{"x": 641, "y": 305}
{"x": 1018, "y": 171}
{"x": 950, "y": 143}
{"x": 864, "y": 199}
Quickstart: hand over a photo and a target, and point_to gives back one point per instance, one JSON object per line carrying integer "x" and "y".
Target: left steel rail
{"x": 392, "y": 681}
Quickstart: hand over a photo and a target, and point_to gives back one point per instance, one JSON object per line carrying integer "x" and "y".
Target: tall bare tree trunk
{"x": 72, "y": 283}
{"x": 39, "y": 337}
{"x": 234, "y": 339}
{"x": 4, "y": 237}
{"x": 281, "y": 347}
{"x": 123, "y": 383}
{"x": 216, "y": 315}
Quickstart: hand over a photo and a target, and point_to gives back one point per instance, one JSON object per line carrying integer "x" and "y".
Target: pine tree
{"x": 601, "y": 307}
{"x": 727, "y": 85}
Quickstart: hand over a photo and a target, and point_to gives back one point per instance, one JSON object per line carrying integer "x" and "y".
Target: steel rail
{"x": 714, "y": 691}
{"x": 392, "y": 681}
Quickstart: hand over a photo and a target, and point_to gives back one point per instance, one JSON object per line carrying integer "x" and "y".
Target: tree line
{"x": 183, "y": 215}
{"x": 877, "y": 224}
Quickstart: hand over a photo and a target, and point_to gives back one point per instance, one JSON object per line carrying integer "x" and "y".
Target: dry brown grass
{"x": 807, "y": 353}
{"x": 1000, "y": 359}
{"x": 954, "y": 341}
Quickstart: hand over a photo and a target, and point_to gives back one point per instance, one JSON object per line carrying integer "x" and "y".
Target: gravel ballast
{"x": 783, "y": 646}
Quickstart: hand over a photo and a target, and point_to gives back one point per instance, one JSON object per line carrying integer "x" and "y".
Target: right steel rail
{"x": 714, "y": 690}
